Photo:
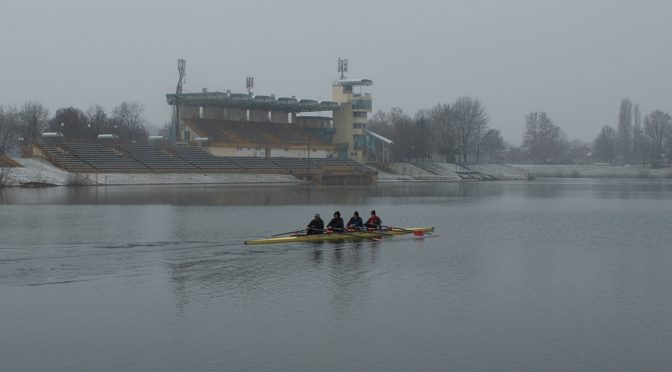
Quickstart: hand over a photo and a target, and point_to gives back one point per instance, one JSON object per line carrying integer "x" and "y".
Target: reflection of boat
{"x": 348, "y": 235}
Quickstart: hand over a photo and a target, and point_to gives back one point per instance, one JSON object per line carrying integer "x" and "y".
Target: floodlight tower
{"x": 181, "y": 66}
{"x": 343, "y": 67}
{"x": 249, "y": 83}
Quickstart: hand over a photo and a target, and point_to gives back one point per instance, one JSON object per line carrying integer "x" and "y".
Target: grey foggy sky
{"x": 575, "y": 60}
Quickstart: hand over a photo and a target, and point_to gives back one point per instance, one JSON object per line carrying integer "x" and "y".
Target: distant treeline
{"x": 459, "y": 132}
{"x": 450, "y": 132}
{"x": 634, "y": 140}
{"x": 26, "y": 124}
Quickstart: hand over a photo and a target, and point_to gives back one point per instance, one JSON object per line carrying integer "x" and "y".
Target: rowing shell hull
{"x": 355, "y": 235}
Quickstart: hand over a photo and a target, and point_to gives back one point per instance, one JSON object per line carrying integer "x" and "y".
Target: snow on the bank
{"x": 41, "y": 171}
{"x": 593, "y": 171}
{"x": 500, "y": 171}
{"x": 447, "y": 172}
{"x": 38, "y": 170}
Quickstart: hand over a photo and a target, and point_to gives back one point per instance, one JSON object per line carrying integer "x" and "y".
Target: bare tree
{"x": 97, "y": 119}
{"x": 71, "y": 122}
{"x": 9, "y": 126}
{"x": 443, "y": 131}
{"x": 605, "y": 144}
{"x": 492, "y": 146}
{"x": 656, "y": 128}
{"x": 9, "y": 129}
{"x": 624, "y": 131}
{"x": 639, "y": 145}
{"x": 469, "y": 119}
{"x": 543, "y": 140}
{"x": 128, "y": 122}
{"x": 6, "y": 174}
{"x": 422, "y": 146}
{"x": 402, "y": 134}
{"x": 34, "y": 120}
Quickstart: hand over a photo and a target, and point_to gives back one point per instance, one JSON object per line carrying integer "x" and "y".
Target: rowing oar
{"x": 418, "y": 233}
{"x": 288, "y": 232}
{"x": 375, "y": 239}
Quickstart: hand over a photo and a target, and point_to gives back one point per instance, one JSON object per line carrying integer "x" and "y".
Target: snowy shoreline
{"x": 593, "y": 171}
{"x": 39, "y": 172}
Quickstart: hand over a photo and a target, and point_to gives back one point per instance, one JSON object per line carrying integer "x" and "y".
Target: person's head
{"x": 373, "y": 213}
{"x": 337, "y": 214}
{"x": 356, "y": 214}
{"x": 317, "y": 216}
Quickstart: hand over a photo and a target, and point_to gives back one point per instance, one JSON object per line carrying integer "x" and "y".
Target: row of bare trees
{"x": 456, "y": 132}
{"x": 28, "y": 122}
{"x": 647, "y": 141}
{"x": 459, "y": 132}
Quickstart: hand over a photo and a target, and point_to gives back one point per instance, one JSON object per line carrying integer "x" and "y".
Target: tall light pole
{"x": 181, "y": 66}
{"x": 343, "y": 67}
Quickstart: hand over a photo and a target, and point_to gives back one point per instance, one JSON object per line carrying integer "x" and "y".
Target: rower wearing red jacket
{"x": 374, "y": 221}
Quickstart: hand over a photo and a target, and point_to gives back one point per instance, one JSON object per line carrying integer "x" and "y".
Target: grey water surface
{"x": 549, "y": 275}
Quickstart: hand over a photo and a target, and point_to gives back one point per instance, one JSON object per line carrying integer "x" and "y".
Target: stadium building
{"x": 239, "y": 124}
{"x": 225, "y": 132}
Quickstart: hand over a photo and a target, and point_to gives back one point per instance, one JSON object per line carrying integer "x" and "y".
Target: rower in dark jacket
{"x": 316, "y": 226}
{"x": 374, "y": 221}
{"x": 355, "y": 222}
{"x": 336, "y": 223}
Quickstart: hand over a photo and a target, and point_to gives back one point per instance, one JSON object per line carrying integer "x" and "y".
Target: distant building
{"x": 235, "y": 124}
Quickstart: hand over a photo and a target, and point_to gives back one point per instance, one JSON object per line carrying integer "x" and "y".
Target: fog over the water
{"x": 573, "y": 59}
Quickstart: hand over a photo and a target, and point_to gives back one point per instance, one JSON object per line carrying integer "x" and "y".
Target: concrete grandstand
{"x": 93, "y": 158}
{"x": 299, "y": 135}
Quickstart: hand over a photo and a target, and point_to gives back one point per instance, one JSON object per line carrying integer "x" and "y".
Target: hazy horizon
{"x": 574, "y": 60}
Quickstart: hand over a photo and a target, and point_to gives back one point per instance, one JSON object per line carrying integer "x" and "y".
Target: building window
{"x": 359, "y": 114}
{"x": 361, "y": 104}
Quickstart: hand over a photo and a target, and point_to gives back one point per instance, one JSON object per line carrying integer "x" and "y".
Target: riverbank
{"x": 593, "y": 171}
{"x": 38, "y": 172}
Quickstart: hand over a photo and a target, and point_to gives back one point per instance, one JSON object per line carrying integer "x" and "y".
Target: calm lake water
{"x": 549, "y": 275}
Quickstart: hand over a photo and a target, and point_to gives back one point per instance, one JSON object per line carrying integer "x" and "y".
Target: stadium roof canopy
{"x": 354, "y": 82}
{"x": 242, "y": 100}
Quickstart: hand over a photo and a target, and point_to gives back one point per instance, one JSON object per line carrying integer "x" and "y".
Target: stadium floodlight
{"x": 249, "y": 83}
{"x": 343, "y": 67}
{"x": 181, "y": 70}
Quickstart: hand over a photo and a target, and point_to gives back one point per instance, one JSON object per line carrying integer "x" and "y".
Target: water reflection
{"x": 236, "y": 273}
{"x": 308, "y": 195}
{"x": 519, "y": 276}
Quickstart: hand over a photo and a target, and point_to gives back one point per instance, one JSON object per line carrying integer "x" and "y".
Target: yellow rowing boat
{"x": 348, "y": 235}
